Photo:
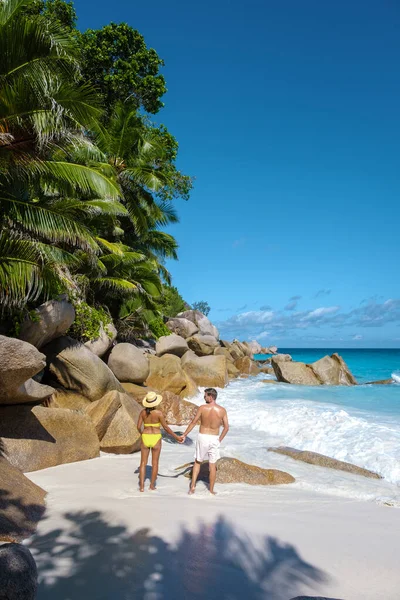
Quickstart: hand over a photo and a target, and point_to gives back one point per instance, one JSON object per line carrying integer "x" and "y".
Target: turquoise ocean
{"x": 358, "y": 424}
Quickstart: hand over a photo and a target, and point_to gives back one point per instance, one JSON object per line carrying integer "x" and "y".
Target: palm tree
{"x": 46, "y": 197}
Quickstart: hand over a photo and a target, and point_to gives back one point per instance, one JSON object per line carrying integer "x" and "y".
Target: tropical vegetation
{"x": 87, "y": 180}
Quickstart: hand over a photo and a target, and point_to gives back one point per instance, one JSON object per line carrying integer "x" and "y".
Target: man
{"x": 212, "y": 417}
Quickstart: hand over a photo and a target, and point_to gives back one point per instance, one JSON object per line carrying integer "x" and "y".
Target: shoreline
{"x": 274, "y": 542}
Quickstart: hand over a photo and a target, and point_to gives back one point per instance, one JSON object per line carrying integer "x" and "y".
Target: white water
{"x": 261, "y": 415}
{"x": 396, "y": 376}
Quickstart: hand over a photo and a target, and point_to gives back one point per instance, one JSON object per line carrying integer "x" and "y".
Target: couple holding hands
{"x": 211, "y": 418}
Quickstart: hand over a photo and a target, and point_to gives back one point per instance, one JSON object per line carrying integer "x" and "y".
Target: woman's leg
{"x": 144, "y": 457}
{"x": 155, "y": 457}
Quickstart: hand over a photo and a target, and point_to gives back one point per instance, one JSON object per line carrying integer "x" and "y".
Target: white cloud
{"x": 320, "y": 312}
{"x": 357, "y": 337}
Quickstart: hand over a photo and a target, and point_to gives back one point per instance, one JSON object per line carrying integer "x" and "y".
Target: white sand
{"x": 103, "y": 540}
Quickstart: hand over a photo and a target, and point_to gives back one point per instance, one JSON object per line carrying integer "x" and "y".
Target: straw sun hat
{"x": 151, "y": 400}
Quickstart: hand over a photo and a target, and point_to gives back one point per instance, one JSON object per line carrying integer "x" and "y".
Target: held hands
{"x": 181, "y": 439}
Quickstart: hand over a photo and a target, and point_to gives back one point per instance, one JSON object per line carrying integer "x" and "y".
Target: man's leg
{"x": 213, "y": 474}
{"x": 155, "y": 456}
{"x": 195, "y": 474}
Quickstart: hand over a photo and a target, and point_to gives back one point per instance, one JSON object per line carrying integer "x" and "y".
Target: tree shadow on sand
{"x": 94, "y": 559}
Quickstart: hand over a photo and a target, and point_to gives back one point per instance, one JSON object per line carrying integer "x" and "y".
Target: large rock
{"x": 281, "y": 358}
{"x": 190, "y": 390}
{"x": 176, "y": 410}
{"x": 21, "y": 503}
{"x": 244, "y": 347}
{"x": 233, "y": 372}
{"x": 67, "y": 399}
{"x": 182, "y": 327}
{"x": 37, "y": 438}
{"x": 203, "y": 345}
{"x": 246, "y": 366}
{"x": 219, "y": 351}
{"x": 102, "y": 412}
{"x": 122, "y": 435}
{"x": 166, "y": 374}
{"x": 267, "y": 370}
{"x": 19, "y": 362}
{"x": 76, "y": 368}
{"x": 47, "y": 322}
{"x": 171, "y": 344}
{"x": 236, "y": 351}
{"x": 138, "y": 392}
{"x": 294, "y": 372}
{"x": 129, "y": 363}
{"x": 204, "y": 325}
{"x": 18, "y": 573}
{"x": 255, "y": 347}
{"x": 270, "y": 350}
{"x": 232, "y": 470}
{"x": 101, "y": 344}
{"x": 332, "y": 370}
{"x": 207, "y": 371}
{"x": 313, "y": 458}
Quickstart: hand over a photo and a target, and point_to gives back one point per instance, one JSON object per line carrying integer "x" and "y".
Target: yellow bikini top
{"x": 152, "y": 424}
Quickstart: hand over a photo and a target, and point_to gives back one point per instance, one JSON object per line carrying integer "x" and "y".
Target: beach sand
{"x": 104, "y": 540}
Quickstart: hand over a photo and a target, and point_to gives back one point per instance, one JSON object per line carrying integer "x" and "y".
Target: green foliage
{"x": 171, "y": 302}
{"x": 159, "y": 328}
{"x": 88, "y": 322}
{"x": 202, "y": 306}
{"x": 84, "y": 195}
{"x": 56, "y": 10}
{"x": 117, "y": 61}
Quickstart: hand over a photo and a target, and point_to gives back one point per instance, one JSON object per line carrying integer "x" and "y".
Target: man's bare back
{"x": 211, "y": 418}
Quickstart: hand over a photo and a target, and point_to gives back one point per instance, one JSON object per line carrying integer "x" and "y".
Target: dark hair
{"x": 211, "y": 392}
{"x": 148, "y": 410}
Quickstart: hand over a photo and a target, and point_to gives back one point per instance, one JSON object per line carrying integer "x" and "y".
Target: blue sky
{"x": 288, "y": 115}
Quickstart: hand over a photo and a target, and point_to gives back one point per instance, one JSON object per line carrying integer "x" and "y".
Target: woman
{"x": 151, "y": 419}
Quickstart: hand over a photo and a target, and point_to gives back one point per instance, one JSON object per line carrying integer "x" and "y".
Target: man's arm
{"x": 225, "y": 426}
{"x": 169, "y": 430}
{"x": 194, "y": 422}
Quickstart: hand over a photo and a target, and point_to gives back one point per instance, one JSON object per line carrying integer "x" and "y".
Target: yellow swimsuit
{"x": 151, "y": 439}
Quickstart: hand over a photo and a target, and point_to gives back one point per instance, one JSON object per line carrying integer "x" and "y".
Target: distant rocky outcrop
{"x": 329, "y": 370}
{"x": 19, "y": 362}
{"x": 332, "y": 370}
{"x": 232, "y": 470}
{"x": 314, "y": 458}
{"x": 294, "y": 372}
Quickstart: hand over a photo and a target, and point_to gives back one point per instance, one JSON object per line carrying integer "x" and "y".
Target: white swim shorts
{"x": 207, "y": 448}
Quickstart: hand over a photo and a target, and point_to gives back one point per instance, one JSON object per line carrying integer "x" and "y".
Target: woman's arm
{"x": 168, "y": 429}
{"x": 140, "y": 421}
{"x": 194, "y": 422}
